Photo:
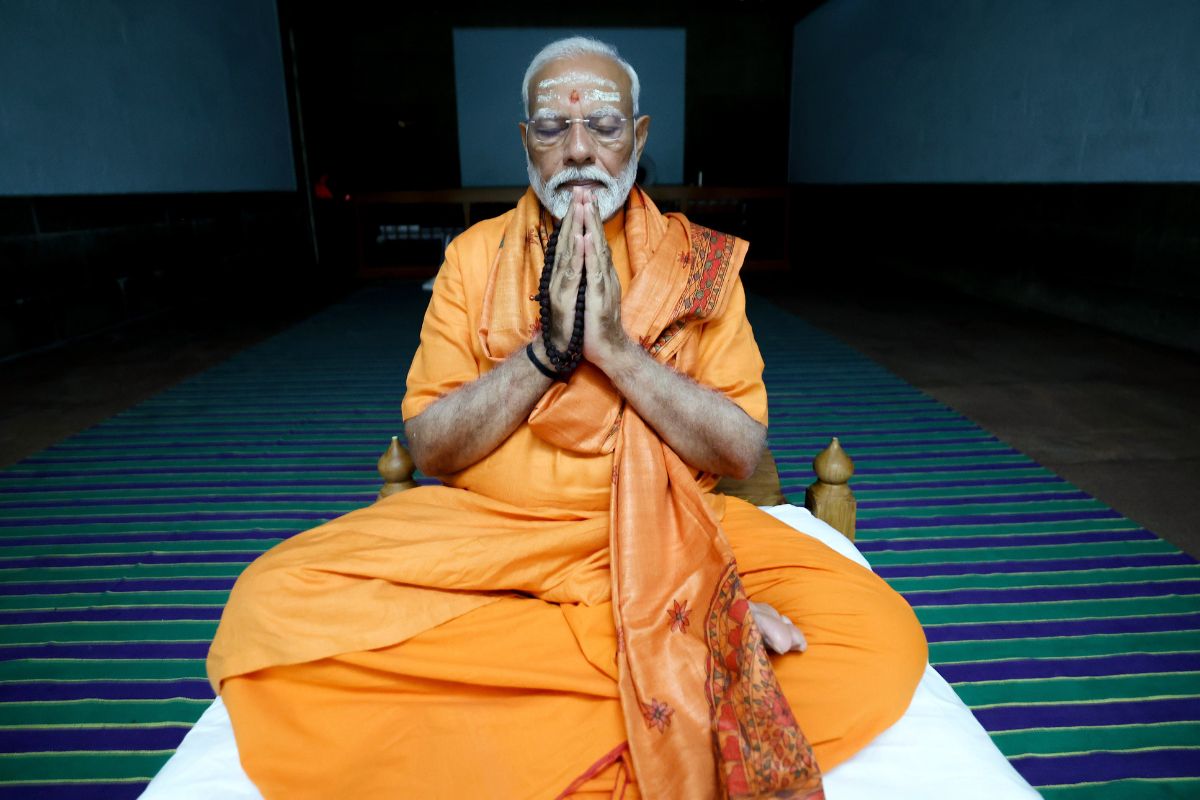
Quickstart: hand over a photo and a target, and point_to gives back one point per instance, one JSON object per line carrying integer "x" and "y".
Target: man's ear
{"x": 642, "y": 129}
{"x": 521, "y": 127}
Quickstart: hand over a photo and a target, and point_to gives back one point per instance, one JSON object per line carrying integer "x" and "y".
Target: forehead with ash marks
{"x": 575, "y": 76}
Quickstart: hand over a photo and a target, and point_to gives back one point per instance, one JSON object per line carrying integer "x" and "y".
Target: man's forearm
{"x": 706, "y": 429}
{"x": 469, "y": 423}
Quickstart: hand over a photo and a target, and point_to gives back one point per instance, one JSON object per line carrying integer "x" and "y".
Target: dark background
{"x": 1125, "y": 255}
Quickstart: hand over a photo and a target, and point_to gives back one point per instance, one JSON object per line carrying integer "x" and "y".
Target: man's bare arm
{"x": 706, "y": 429}
{"x": 470, "y": 422}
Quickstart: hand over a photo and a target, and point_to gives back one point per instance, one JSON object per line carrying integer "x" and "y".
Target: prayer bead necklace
{"x": 564, "y": 362}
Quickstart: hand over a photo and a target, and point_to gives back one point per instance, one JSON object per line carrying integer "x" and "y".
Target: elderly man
{"x": 575, "y": 612}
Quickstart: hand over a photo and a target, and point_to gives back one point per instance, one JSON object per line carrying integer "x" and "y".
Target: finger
{"x": 772, "y": 639}
{"x": 589, "y": 248}
{"x": 798, "y": 641}
{"x": 566, "y": 233}
{"x": 596, "y": 249}
{"x": 578, "y": 252}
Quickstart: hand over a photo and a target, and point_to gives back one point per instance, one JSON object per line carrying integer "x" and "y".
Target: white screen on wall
{"x": 490, "y": 62}
{"x": 133, "y": 96}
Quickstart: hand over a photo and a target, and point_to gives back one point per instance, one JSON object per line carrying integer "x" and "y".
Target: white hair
{"x": 573, "y": 47}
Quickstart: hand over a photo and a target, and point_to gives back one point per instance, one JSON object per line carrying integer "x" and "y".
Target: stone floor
{"x": 1117, "y": 418}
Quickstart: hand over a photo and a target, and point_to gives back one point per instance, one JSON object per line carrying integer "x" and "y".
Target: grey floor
{"x": 1117, "y": 418}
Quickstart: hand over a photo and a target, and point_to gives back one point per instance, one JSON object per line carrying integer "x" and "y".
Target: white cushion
{"x": 936, "y": 751}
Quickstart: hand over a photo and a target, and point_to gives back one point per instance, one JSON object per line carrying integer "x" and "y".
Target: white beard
{"x": 609, "y": 199}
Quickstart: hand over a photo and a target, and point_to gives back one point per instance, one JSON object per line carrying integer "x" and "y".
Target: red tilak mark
{"x": 574, "y": 95}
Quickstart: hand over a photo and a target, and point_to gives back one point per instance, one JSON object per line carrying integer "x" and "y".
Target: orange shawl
{"x": 699, "y": 696}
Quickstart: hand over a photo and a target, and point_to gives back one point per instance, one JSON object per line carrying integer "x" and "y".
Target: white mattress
{"x": 936, "y": 751}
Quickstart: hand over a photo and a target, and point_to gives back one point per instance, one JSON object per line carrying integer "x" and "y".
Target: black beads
{"x": 565, "y": 361}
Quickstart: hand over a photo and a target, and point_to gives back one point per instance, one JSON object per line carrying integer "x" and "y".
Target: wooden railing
{"x": 458, "y": 209}
{"x": 829, "y": 497}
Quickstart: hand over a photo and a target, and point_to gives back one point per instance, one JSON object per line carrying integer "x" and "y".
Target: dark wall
{"x": 72, "y": 265}
{"x": 1039, "y": 154}
{"x": 997, "y": 90}
{"x": 132, "y": 96}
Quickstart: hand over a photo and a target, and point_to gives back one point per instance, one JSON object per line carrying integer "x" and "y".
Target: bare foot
{"x": 779, "y": 632}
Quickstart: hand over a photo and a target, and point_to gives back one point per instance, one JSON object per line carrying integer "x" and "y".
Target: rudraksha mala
{"x": 563, "y": 362}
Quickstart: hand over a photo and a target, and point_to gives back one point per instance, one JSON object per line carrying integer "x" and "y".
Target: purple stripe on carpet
{"x": 1061, "y": 627}
{"x": 778, "y": 430}
{"x": 1035, "y": 565}
{"x": 118, "y": 585}
{"x": 190, "y": 516}
{"x": 1045, "y": 594}
{"x": 123, "y": 423}
{"x": 1176, "y": 762}
{"x": 16, "y": 474}
{"x": 865, "y": 440}
{"x": 239, "y": 455}
{"x": 111, "y": 614}
{"x": 867, "y": 486}
{"x": 161, "y": 536}
{"x": 1021, "y": 669}
{"x": 182, "y": 445}
{"x": 1131, "y": 712}
{"x": 850, "y": 413}
{"x": 192, "y": 689}
{"x": 73, "y": 791}
{"x": 116, "y": 559}
{"x": 928, "y": 502}
{"x": 178, "y": 485}
{"x": 984, "y": 519}
{"x": 139, "y": 650}
{"x": 365, "y": 496}
{"x": 1008, "y": 540}
{"x": 85, "y": 738}
{"x": 985, "y": 466}
{"x": 866, "y": 459}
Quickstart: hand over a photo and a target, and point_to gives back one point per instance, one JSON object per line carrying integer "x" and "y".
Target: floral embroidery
{"x": 680, "y": 616}
{"x": 657, "y": 714}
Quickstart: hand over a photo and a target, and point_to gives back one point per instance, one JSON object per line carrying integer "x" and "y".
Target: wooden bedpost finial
{"x": 829, "y": 498}
{"x": 396, "y": 467}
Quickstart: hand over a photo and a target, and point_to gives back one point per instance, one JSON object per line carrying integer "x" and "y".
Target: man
{"x": 575, "y": 612}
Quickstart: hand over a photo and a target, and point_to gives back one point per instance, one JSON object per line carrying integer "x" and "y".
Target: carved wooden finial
{"x": 829, "y": 498}
{"x": 832, "y": 465}
{"x": 396, "y": 468}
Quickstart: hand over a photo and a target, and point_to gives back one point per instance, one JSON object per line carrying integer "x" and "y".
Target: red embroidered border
{"x": 709, "y": 258}
{"x": 760, "y": 748}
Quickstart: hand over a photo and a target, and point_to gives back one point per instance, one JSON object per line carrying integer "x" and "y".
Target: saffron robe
{"x": 460, "y": 640}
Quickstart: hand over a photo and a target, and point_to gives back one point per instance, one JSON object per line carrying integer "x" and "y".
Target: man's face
{"x": 599, "y": 158}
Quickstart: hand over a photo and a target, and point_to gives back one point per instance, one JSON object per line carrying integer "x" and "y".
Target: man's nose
{"x": 578, "y": 149}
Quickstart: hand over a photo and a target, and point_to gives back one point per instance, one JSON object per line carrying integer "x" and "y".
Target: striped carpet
{"x": 1073, "y": 633}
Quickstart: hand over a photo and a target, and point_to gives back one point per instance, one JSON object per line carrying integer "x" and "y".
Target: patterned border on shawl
{"x": 709, "y": 257}
{"x": 759, "y": 746}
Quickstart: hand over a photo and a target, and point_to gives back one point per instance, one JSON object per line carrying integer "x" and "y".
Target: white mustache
{"x": 569, "y": 174}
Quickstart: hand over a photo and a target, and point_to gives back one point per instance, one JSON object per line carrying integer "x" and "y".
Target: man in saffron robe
{"x": 574, "y": 612}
